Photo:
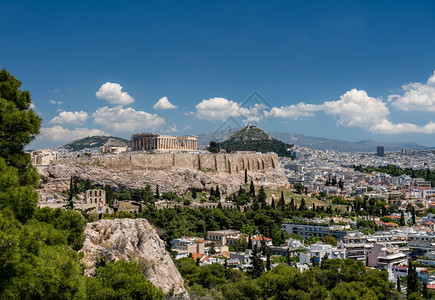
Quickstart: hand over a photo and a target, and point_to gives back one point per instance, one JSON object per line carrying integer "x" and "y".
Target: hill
{"x": 252, "y": 138}
{"x": 342, "y": 146}
{"x": 96, "y": 142}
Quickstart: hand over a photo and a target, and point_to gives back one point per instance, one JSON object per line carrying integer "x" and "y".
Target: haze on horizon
{"x": 350, "y": 71}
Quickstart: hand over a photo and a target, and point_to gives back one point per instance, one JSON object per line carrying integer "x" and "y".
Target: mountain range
{"x": 317, "y": 143}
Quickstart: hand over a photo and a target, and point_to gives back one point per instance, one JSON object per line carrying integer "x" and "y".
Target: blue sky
{"x": 336, "y": 69}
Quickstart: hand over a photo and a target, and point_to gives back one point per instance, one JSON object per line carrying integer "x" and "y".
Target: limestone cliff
{"x": 133, "y": 239}
{"x": 172, "y": 172}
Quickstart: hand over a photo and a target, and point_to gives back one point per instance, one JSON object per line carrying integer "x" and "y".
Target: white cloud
{"x": 113, "y": 94}
{"x": 418, "y": 96}
{"x": 357, "y": 109}
{"x": 59, "y": 134}
{"x": 299, "y": 111}
{"x": 164, "y": 103}
{"x": 172, "y": 128}
{"x": 69, "y": 117}
{"x": 126, "y": 119}
{"x": 32, "y": 105}
{"x": 56, "y": 102}
{"x": 221, "y": 109}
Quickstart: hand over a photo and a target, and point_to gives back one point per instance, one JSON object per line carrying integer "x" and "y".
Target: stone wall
{"x": 230, "y": 163}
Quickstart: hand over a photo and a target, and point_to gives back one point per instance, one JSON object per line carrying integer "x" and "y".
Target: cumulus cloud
{"x": 295, "y": 112}
{"x": 221, "y": 109}
{"x": 112, "y": 92}
{"x": 126, "y": 119}
{"x": 164, "y": 103}
{"x": 56, "y": 102}
{"x": 357, "y": 109}
{"x": 70, "y": 117}
{"x": 417, "y": 96}
{"x": 59, "y": 134}
{"x": 172, "y": 128}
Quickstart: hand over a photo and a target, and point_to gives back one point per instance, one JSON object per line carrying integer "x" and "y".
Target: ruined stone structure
{"x": 92, "y": 197}
{"x": 157, "y": 142}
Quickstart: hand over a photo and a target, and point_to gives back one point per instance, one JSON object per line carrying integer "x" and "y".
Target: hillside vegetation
{"x": 252, "y": 138}
{"x": 96, "y": 142}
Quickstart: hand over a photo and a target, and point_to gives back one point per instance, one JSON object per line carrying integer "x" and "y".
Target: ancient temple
{"x": 158, "y": 142}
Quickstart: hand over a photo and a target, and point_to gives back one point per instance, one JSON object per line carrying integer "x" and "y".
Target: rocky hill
{"x": 252, "y": 138}
{"x": 133, "y": 239}
{"x": 96, "y": 142}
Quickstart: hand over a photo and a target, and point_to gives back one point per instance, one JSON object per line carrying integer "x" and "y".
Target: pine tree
{"x": 281, "y": 202}
{"x": 252, "y": 189}
{"x": 246, "y": 176}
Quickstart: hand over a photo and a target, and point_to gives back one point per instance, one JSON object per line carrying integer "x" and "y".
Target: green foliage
{"x": 214, "y": 147}
{"x": 338, "y": 279}
{"x": 121, "y": 280}
{"x": 94, "y": 141}
{"x": 264, "y": 146}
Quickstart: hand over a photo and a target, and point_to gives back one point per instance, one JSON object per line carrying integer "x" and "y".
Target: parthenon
{"x": 157, "y": 142}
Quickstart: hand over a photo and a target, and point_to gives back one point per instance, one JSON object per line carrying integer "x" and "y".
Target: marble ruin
{"x": 157, "y": 142}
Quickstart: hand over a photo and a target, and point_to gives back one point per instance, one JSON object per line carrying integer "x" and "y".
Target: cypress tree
{"x": 399, "y": 289}
{"x": 314, "y": 207}
{"x": 217, "y": 192}
{"x": 413, "y": 216}
{"x": 424, "y": 292}
{"x": 273, "y": 204}
{"x": 302, "y": 207}
{"x": 249, "y": 242}
{"x": 267, "y": 260}
{"x": 262, "y": 197}
{"x": 252, "y": 189}
{"x": 212, "y": 192}
{"x": 292, "y": 204}
{"x": 194, "y": 195}
{"x": 412, "y": 282}
{"x": 158, "y": 193}
{"x": 281, "y": 202}
{"x": 246, "y": 176}
{"x": 71, "y": 189}
{"x": 402, "y": 218}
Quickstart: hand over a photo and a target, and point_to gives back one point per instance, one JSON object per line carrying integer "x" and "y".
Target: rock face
{"x": 135, "y": 171}
{"x": 133, "y": 239}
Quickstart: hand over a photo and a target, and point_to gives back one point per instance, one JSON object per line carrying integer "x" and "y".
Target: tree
{"x": 214, "y": 147}
{"x": 399, "y": 289}
{"x": 341, "y": 184}
{"x": 246, "y": 176}
{"x": 212, "y": 192}
{"x": 413, "y": 216}
{"x": 268, "y": 260}
{"x": 424, "y": 292}
{"x": 194, "y": 195}
{"x": 302, "y": 207}
{"x": 18, "y": 126}
{"x": 262, "y": 197}
{"x": 292, "y": 204}
{"x": 257, "y": 264}
{"x": 273, "y": 204}
{"x": 402, "y": 218}
{"x": 158, "y": 193}
{"x": 281, "y": 202}
{"x": 299, "y": 187}
{"x": 252, "y": 189}
{"x": 314, "y": 207}
{"x": 217, "y": 192}
{"x": 412, "y": 284}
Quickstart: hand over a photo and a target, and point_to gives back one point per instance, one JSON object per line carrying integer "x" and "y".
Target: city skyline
{"x": 351, "y": 71}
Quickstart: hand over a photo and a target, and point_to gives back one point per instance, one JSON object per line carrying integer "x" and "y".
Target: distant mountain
{"x": 96, "y": 142}
{"x": 252, "y": 138}
{"x": 343, "y": 146}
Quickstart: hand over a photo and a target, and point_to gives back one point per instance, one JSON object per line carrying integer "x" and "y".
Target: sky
{"x": 351, "y": 70}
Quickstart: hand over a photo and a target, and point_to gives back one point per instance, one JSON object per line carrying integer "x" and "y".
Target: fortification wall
{"x": 230, "y": 163}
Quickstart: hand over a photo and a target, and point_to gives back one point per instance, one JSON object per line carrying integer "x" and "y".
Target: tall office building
{"x": 380, "y": 150}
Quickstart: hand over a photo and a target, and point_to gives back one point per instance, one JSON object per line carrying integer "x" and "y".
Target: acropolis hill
{"x": 173, "y": 172}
